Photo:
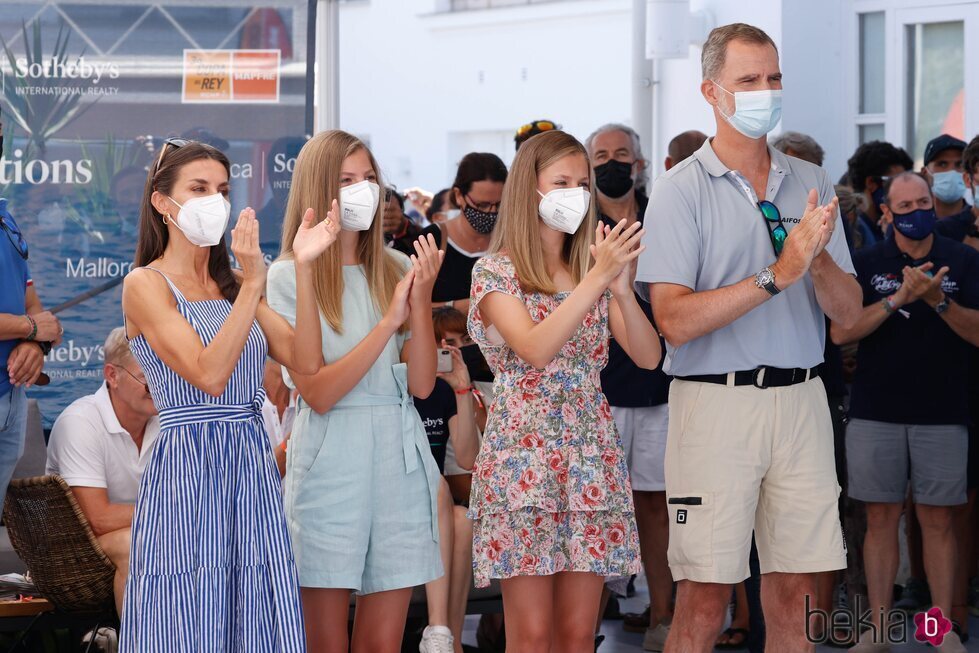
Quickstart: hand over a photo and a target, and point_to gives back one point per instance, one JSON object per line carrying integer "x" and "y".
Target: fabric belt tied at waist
{"x": 408, "y": 414}
{"x": 200, "y": 413}
{"x": 409, "y": 423}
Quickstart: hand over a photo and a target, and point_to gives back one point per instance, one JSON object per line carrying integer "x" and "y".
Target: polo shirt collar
{"x": 107, "y": 412}
{"x": 716, "y": 168}
{"x": 939, "y": 247}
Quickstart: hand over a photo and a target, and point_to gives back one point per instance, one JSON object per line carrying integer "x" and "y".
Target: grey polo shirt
{"x": 704, "y": 230}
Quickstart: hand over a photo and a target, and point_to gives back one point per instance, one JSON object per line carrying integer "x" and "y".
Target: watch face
{"x": 765, "y": 277}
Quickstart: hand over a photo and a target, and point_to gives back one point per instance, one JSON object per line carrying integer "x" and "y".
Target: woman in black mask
{"x": 477, "y": 190}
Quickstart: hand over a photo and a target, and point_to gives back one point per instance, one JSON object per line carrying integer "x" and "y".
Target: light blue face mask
{"x": 755, "y": 112}
{"x": 949, "y": 187}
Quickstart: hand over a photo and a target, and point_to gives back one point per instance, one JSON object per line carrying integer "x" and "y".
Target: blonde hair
{"x": 117, "y": 347}
{"x": 518, "y": 231}
{"x": 315, "y": 184}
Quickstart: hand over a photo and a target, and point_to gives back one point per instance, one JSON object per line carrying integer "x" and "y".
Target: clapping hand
{"x": 614, "y": 251}
{"x": 313, "y": 239}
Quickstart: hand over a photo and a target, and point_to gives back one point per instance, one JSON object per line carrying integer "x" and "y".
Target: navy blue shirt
{"x": 624, "y": 383}
{"x": 435, "y": 411}
{"x": 914, "y": 370}
{"x": 14, "y": 280}
{"x": 957, "y": 226}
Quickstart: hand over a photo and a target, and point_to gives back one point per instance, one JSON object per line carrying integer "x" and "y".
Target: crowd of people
{"x": 554, "y": 376}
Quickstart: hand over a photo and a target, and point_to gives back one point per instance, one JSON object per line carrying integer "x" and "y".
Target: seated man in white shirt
{"x": 100, "y": 445}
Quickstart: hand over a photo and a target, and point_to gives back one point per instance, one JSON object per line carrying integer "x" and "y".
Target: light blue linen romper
{"x": 361, "y": 483}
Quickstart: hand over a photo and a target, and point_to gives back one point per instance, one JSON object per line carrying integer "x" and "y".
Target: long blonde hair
{"x": 518, "y": 232}
{"x": 315, "y": 184}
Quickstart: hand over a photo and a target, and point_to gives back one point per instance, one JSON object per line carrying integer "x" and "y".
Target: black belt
{"x": 774, "y": 377}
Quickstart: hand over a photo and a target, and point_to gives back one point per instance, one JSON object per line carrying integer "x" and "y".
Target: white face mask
{"x": 563, "y": 209}
{"x": 203, "y": 219}
{"x": 358, "y": 205}
{"x": 755, "y": 112}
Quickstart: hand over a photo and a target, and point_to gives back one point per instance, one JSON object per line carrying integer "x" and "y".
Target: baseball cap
{"x": 941, "y": 143}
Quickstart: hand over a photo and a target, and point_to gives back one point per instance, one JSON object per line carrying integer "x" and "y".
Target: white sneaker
{"x": 655, "y": 639}
{"x": 106, "y": 639}
{"x": 866, "y": 644}
{"x": 436, "y": 639}
{"x": 952, "y": 644}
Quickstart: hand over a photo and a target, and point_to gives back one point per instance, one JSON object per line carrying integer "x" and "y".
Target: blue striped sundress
{"x": 211, "y": 566}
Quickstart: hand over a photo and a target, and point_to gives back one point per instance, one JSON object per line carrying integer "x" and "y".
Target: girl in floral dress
{"x": 551, "y": 499}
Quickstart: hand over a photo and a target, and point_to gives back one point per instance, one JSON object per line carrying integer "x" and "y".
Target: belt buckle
{"x": 754, "y": 378}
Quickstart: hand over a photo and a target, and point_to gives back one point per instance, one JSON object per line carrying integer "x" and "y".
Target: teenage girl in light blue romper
{"x": 361, "y": 483}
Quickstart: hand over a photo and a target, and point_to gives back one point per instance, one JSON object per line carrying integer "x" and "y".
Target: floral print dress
{"x": 550, "y": 488}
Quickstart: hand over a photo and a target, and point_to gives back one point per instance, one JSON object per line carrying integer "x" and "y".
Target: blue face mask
{"x": 877, "y": 197}
{"x": 916, "y": 225}
{"x": 755, "y": 112}
{"x": 948, "y": 186}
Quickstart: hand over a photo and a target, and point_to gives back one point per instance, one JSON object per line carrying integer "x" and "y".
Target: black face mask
{"x": 476, "y": 364}
{"x": 481, "y": 221}
{"x": 614, "y": 178}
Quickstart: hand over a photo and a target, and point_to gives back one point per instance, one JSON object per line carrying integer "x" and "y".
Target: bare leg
{"x": 325, "y": 613}
{"x": 653, "y": 520}
{"x": 783, "y": 599}
{"x": 437, "y": 591}
{"x": 938, "y": 538}
{"x": 881, "y": 558}
{"x": 913, "y": 533}
{"x": 602, "y": 605}
{"x": 698, "y": 617}
{"x": 742, "y": 614}
{"x": 964, "y": 523}
{"x": 528, "y": 610}
{"x": 116, "y": 544}
{"x": 462, "y": 574}
{"x": 379, "y": 623}
{"x": 576, "y": 605}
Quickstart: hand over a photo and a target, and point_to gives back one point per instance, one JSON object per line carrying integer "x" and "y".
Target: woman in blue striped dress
{"x": 211, "y": 566}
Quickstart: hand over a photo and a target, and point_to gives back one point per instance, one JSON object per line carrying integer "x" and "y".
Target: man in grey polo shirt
{"x": 741, "y": 262}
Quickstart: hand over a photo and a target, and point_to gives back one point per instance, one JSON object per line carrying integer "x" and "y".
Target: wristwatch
{"x": 942, "y": 306}
{"x": 766, "y": 279}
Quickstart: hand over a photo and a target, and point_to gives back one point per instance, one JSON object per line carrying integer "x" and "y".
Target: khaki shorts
{"x": 740, "y": 459}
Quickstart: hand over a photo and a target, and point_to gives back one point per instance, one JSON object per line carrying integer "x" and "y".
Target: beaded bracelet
{"x": 33, "y": 333}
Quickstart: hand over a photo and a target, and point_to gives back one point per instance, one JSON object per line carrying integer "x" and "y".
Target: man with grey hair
{"x": 741, "y": 263}
{"x": 100, "y": 445}
{"x": 637, "y": 396}
{"x": 799, "y": 145}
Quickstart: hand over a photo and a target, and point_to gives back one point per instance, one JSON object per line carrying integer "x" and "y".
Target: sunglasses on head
{"x": 539, "y": 125}
{"x": 175, "y": 143}
{"x": 776, "y": 228}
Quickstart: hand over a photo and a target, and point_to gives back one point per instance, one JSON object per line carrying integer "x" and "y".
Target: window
{"x": 935, "y": 85}
{"x": 870, "y": 118}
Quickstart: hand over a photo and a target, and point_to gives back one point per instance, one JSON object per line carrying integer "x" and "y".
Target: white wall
{"x": 424, "y": 86}
{"x": 680, "y": 105}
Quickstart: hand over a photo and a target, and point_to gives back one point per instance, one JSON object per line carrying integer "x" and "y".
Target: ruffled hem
{"x": 213, "y": 609}
{"x": 532, "y": 542}
{"x": 569, "y": 479}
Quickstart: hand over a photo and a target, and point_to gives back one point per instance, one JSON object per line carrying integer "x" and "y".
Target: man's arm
{"x": 838, "y": 293}
{"x": 103, "y": 516}
{"x": 683, "y": 315}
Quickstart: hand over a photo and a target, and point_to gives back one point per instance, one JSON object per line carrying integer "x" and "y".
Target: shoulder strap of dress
{"x": 173, "y": 288}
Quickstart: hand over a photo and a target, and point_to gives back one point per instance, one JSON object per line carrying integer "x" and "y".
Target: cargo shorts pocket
{"x": 691, "y": 530}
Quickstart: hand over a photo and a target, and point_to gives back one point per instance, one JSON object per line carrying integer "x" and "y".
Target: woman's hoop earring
{"x": 166, "y": 216}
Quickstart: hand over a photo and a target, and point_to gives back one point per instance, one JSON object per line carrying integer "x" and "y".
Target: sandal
{"x": 733, "y": 646}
